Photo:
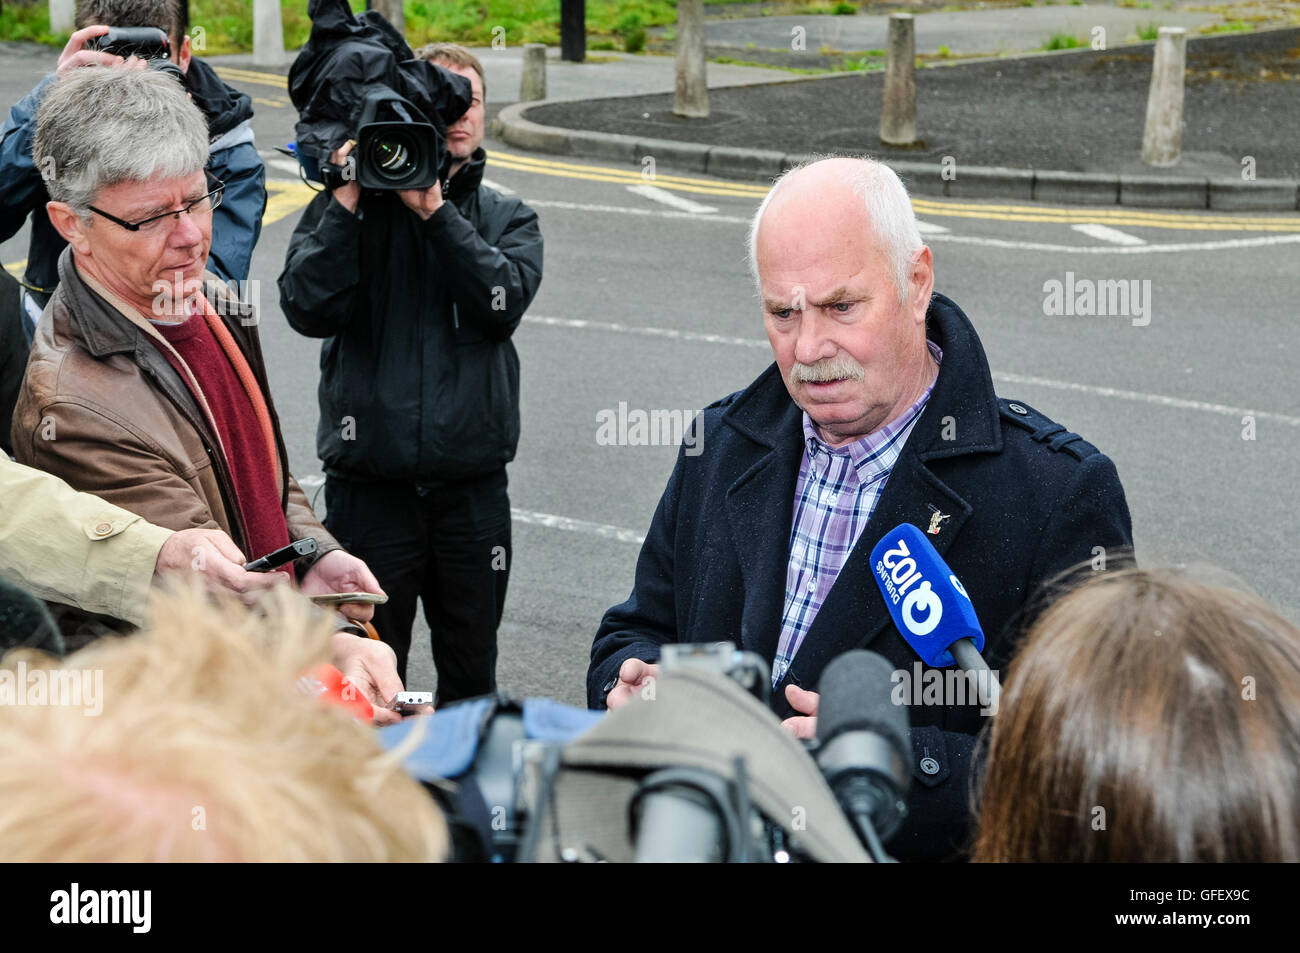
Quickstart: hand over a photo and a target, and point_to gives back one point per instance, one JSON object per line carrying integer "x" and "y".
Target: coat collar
{"x": 98, "y": 324}
{"x": 470, "y": 176}
{"x": 105, "y": 324}
{"x": 961, "y": 417}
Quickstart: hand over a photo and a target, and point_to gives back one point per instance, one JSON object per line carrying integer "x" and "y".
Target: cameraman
{"x": 234, "y": 159}
{"x": 417, "y": 294}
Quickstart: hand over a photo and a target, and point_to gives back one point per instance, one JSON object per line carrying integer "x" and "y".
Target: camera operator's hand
{"x": 74, "y": 54}
{"x": 423, "y": 202}
{"x": 802, "y": 726}
{"x": 633, "y": 676}
{"x": 346, "y": 195}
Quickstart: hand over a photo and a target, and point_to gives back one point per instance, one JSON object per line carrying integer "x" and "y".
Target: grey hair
{"x": 888, "y": 209}
{"x": 100, "y": 126}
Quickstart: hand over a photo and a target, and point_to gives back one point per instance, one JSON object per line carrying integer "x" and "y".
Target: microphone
{"x": 929, "y": 605}
{"x": 864, "y": 750}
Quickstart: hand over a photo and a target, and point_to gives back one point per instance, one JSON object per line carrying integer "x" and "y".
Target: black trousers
{"x": 446, "y": 543}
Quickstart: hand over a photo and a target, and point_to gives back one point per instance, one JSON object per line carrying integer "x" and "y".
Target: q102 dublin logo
{"x": 922, "y": 607}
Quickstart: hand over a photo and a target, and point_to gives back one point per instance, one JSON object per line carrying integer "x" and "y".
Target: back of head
{"x": 189, "y": 741}
{"x": 1148, "y": 717}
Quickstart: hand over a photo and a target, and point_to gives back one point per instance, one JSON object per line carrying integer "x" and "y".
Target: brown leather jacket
{"x": 102, "y": 408}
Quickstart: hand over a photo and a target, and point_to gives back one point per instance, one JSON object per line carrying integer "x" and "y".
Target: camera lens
{"x": 393, "y": 156}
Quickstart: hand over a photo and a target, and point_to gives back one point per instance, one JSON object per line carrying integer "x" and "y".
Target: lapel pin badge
{"x": 936, "y": 518}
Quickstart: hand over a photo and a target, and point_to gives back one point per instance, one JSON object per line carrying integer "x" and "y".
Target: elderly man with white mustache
{"x": 878, "y": 410}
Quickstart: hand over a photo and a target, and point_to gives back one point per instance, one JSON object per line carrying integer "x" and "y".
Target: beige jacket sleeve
{"x": 74, "y": 548}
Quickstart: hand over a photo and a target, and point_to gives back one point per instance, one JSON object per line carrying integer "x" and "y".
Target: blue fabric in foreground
{"x": 546, "y": 720}
{"x": 450, "y": 740}
{"x": 452, "y": 734}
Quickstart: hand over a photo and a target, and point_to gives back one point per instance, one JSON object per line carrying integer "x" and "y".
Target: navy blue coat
{"x": 1026, "y": 500}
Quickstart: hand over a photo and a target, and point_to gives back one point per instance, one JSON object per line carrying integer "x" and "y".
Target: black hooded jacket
{"x": 419, "y": 377}
{"x": 349, "y": 55}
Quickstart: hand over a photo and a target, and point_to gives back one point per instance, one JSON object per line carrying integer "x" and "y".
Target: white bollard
{"x": 62, "y": 15}
{"x": 691, "y": 94}
{"x": 1162, "y": 140}
{"x": 898, "y": 104}
{"x": 391, "y": 10}
{"x": 268, "y": 33}
{"x": 532, "y": 81}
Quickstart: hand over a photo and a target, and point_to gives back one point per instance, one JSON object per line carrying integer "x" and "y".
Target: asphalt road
{"x": 650, "y": 304}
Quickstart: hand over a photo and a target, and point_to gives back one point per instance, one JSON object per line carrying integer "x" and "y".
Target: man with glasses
{"x": 231, "y": 149}
{"x": 146, "y": 384}
{"x": 232, "y": 155}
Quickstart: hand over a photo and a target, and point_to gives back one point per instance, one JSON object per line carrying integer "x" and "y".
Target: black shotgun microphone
{"x": 864, "y": 751}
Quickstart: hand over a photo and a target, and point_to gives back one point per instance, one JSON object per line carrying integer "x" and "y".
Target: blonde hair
{"x": 205, "y": 750}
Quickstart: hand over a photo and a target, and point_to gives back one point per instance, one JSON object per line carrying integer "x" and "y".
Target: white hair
{"x": 889, "y": 210}
{"x": 99, "y": 126}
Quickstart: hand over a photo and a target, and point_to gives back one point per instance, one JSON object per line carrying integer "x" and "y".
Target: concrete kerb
{"x": 1261, "y": 194}
{"x": 1077, "y": 188}
{"x": 1085, "y": 188}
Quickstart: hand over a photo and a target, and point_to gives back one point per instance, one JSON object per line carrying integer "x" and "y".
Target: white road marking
{"x": 1221, "y": 245}
{"x": 665, "y": 197}
{"x": 1162, "y": 400}
{"x": 498, "y": 187}
{"x": 929, "y": 228}
{"x": 551, "y": 521}
{"x": 1106, "y": 234}
{"x": 286, "y": 165}
{"x": 534, "y": 518}
{"x": 1158, "y": 399}
{"x": 621, "y": 210}
{"x": 672, "y": 333}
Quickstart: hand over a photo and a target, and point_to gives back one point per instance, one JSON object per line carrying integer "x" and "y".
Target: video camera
{"x": 357, "y": 79}
{"x": 144, "y": 42}
{"x": 698, "y": 770}
{"x": 406, "y": 152}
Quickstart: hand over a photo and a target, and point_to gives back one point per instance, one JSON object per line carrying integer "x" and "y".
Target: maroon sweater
{"x": 247, "y": 455}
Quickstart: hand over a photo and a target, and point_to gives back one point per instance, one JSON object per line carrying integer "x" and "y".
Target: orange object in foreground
{"x": 326, "y": 683}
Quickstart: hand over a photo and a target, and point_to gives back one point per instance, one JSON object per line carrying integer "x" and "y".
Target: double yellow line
{"x": 253, "y": 76}
{"x": 1134, "y": 218}
{"x": 593, "y": 173}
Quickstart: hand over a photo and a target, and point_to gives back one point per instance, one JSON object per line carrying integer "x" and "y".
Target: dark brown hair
{"x": 1148, "y": 717}
{"x": 453, "y": 53}
{"x": 163, "y": 14}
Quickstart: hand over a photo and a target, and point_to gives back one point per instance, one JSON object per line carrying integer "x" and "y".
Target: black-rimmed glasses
{"x": 200, "y": 206}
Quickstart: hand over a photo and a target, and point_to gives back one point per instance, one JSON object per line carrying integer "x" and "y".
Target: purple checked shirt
{"x": 836, "y": 494}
